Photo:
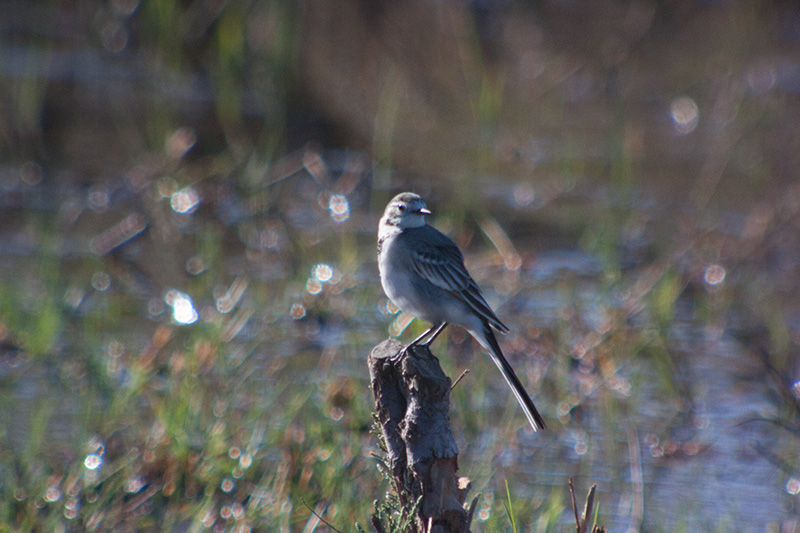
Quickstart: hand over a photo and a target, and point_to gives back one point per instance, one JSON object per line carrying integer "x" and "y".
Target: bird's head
{"x": 406, "y": 210}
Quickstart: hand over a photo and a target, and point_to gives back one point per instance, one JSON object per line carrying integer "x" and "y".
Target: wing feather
{"x": 438, "y": 260}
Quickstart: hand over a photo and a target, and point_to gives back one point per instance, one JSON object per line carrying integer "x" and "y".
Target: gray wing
{"x": 438, "y": 260}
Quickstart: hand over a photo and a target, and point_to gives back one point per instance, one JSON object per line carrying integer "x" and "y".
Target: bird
{"x": 422, "y": 272}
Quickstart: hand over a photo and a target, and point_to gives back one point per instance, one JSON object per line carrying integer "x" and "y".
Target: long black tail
{"x": 493, "y": 348}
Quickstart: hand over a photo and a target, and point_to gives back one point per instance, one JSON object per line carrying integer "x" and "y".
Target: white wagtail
{"x": 423, "y": 273}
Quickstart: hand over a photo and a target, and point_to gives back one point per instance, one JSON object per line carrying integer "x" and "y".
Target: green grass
{"x": 249, "y": 416}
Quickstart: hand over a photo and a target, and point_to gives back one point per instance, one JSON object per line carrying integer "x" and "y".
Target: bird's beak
{"x": 424, "y": 211}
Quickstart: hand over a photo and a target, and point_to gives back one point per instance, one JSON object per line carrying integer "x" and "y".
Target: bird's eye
{"x": 401, "y": 207}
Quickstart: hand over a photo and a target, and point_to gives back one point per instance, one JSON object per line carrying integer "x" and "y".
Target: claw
{"x": 395, "y": 359}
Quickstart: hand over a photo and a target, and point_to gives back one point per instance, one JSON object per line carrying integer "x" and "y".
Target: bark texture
{"x": 412, "y": 399}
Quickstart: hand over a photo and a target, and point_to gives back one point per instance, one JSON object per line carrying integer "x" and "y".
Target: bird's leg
{"x": 436, "y": 329}
{"x": 433, "y": 331}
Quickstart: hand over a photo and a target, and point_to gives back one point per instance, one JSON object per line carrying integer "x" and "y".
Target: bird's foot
{"x": 405, "y": 352}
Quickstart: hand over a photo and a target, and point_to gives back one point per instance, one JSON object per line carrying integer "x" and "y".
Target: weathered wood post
{"x": 412, "y": 399}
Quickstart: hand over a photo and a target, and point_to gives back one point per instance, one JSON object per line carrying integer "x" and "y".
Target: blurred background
{"x": 189, "y": 198}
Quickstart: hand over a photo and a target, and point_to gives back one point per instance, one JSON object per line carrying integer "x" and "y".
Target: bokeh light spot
{"x": 246, "y": 461}
{"x": 30, "y": 173}
{"x": 685, "y": 114}
{"x": 209, "y": 518}
{"x": 714, "y": 274}
{"x": 486, "y": 506}
{"x": 185, "y": 200}
{"x": 98, "y": 199}
{"x": 324, "y": 454}
{"x": 400, "y": 323}
{"x": 524, "y": 195}
{"x": 166, "y": 187}
{"x": 340, "y": 208}
{"x": 313, "y": 286}
{"x": 92, "y": 461}
{"x": 183, "y": 311}
{"x": 195, "y": 266}
{"x": 323, "y": 272}
{"x": 761, "y": 78}
{"x": 134, "y": 484}
{"x": 180, "y": 142}
{"x": 298, "y": 311}
{"x": 155, "y": 307}
{"x": 71, "y": 509}
{"x": 101, "y": 281}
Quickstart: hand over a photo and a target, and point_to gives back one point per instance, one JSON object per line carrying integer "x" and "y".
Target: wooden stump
{"x": 412, "y": 399}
